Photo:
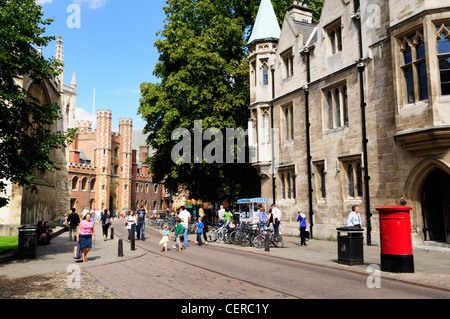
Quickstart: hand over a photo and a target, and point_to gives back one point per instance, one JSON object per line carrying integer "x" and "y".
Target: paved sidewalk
{"x": 58, "y": 256}
{"x": 431, "y": 268}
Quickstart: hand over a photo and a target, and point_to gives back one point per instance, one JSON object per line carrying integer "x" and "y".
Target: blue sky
{"x": 112, "y": 51}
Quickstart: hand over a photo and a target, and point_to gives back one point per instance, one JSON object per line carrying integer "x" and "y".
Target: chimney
{"x": 300, "y": 13}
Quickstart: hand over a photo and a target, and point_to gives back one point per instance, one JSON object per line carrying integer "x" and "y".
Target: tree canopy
{"x": 26, "y": 134}
{"x": 204, "y": 75}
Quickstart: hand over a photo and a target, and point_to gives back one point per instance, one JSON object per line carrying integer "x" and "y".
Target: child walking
{"x": 178, "y": 234}
{"x": 199, "y": 231}
{"x": 166, "y": 237}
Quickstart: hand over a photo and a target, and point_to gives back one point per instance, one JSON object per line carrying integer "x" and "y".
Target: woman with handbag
{"x": 130, "y": 225}
{"x": 86, "y": 234}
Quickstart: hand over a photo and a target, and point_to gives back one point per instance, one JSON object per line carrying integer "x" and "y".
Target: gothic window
{"x": 288, "y": 189}
{"x": 266, "y": 123}
{"x": 288, "y": 122}
{"x": 334, "y": 32}
{"x": 345, "y": 104}
{"x": 414, "y": 67}
{"x": 320, "y": 173}
{"x": 93, "y": 184}
{"x": 443, "y": 48}
{"x": 330, "y": 110}
{"x": 288, "y": 62}
{"x": 288, "y": 180}
{"x": 265, "y": 70}
{"x": 353, "y": 169}
{"x": 336, "y": 106}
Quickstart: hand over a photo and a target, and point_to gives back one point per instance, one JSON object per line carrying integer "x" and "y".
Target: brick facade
{"x": 106, "y": 172}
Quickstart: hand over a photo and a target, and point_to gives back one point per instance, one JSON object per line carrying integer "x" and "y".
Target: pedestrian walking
{"x": 106, "y": 222}
{"x": 141, "y": 213}
{"x": 178, "y": 234}
{"x": 227, "y": 217}
{"x": 130, "y": 223}
{"x": 199, "y": 231}
{"x": 262, "y": 219}
{"x": 276, "y": 219}
{"x": 73, "y": 220}
{"x": 165, "y": 237}
{"x": 301, "y": 218}
{"x": 86, "y": 235}
{"x": 185, "y": 217}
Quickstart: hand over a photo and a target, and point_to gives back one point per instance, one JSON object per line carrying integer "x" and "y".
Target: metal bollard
{"x": 120, "y": 248}
{"x": 266, "y": 243}
{"x": 112, "y": 232}
{"x": 133, "y": 228}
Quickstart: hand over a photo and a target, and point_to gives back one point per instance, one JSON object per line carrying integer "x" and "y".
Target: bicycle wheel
{"x": 227, "y": 237}
{"x": 258, "y": 241}
{"x": 278, "y": 241}
{"x": 245, "y": 239}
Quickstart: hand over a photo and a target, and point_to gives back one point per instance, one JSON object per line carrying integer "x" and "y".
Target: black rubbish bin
{"x": 350, "y": 245}
{"x": 27, "y": 242}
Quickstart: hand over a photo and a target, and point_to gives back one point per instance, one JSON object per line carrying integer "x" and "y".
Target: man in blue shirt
{"x": 141, "y": 222}
{"x": 263, "y": 219}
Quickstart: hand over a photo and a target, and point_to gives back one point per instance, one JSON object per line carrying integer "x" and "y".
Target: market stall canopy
{"x": 252, "y": 200}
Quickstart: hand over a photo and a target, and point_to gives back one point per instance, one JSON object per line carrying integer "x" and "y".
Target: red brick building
{"x": 106, "y": 170}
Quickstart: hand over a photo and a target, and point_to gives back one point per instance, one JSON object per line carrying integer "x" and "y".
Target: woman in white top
{"x": 130, "y": 222}
{"x": 354, "y": 219}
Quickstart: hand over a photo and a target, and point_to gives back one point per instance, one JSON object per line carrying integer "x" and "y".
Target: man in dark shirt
{"x": 141, "y": 222}
{"x": 73, "y": 221}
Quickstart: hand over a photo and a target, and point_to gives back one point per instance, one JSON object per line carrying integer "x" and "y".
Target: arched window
{"x": 330, "y": 110}
{"x": 266, "y": 128}
{"x": 74, "y": 183}
{"x": 265, "y": 70}
{"x": 93, "y": 184}
{"x": 84, "y": 184}
{"x": 351, "y": 183}
{"x": 337, "y": 107}
{"x": 345, "y": 104}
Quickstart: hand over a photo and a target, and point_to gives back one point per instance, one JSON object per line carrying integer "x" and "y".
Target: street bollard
{"x": 133, "y": 246}
{"x": 266, "y": 243}
{"x": 120, "y": 248}
{"x": 112, "y": 232}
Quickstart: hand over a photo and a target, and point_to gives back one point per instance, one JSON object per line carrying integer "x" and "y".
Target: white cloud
{"x": 93, "y": 4}
{"x": 41, "y": 2}
{"x": 82, "y": 115}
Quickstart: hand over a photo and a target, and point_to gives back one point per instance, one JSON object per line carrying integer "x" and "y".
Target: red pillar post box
{"x": 395, "y": 239}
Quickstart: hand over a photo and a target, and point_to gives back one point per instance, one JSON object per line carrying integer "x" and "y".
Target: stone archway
{"x": 426, "y": 191}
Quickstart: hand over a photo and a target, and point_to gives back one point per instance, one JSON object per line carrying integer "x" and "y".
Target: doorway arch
{"x": 427, "y": 188}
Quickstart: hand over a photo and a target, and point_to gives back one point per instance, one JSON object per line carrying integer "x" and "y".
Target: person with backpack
{"x": 73, "y": 220}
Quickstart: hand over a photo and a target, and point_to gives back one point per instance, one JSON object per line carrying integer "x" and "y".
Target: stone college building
{"x": 353, "y": 110}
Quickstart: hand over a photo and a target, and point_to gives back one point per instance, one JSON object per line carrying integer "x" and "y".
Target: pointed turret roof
{"x": 266, "y": 26}
{"x": 74, "y": 80}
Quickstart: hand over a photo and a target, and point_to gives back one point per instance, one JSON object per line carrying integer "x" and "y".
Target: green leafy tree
{"x": 26, "y": 134}
{"x": 204, "y": 75}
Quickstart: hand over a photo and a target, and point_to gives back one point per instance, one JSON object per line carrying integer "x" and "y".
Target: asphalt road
{"x": 216, "y": 272}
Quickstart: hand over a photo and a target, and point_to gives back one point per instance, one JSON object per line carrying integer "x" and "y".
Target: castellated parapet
{"x": 84, "y": 126}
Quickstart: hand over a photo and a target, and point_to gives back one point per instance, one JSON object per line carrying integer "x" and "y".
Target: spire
{"x": 59, "y": 49}
{"x": 266, "y": 26}
{"x": 73, "y": 83}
